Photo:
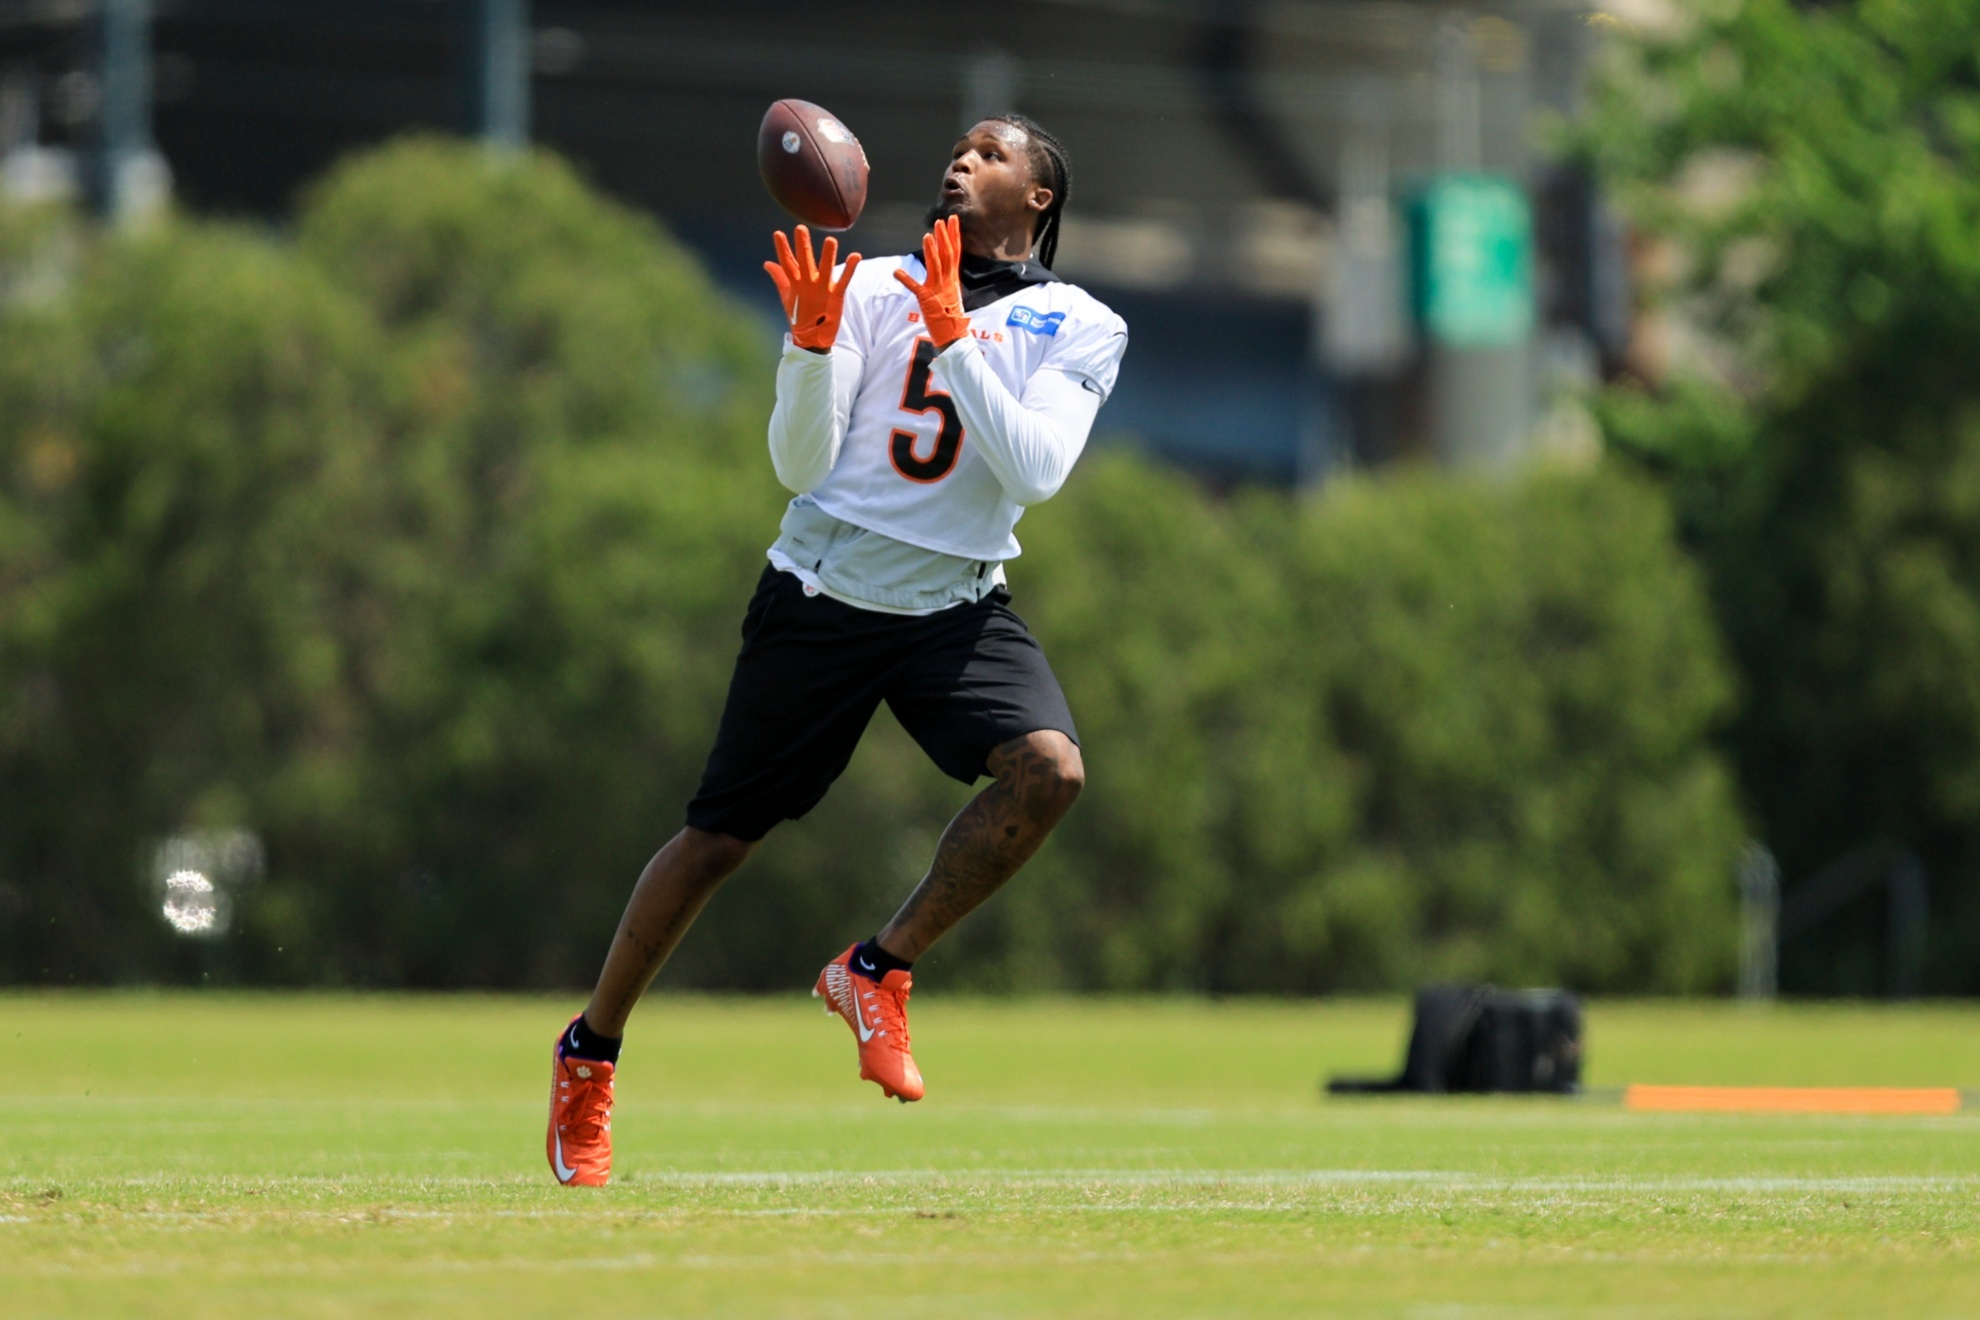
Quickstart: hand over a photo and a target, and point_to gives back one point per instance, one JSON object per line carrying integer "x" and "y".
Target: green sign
{"x": 1474, "y": 261}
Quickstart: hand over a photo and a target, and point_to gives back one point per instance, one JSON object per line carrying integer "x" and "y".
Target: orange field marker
{"x": 1793, "y": 1099}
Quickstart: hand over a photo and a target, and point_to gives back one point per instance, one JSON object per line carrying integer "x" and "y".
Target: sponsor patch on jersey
{"x": 1039, "y": 323}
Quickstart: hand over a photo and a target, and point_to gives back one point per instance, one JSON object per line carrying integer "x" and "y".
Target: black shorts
{"x": 813, "y": 670}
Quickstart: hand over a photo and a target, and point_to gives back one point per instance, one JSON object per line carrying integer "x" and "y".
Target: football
{"x": 812, "y": 164}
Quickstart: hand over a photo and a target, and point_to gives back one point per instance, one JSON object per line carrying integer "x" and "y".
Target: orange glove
{"x": 811, "y": 299}
{"x": 941, "y": 297}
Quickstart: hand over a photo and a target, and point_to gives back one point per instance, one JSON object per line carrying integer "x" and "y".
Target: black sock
{"x": 873, "y": 962}
{"x": 581, "y": 1042}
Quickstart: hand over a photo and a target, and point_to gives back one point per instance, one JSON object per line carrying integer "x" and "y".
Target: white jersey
{"x": 944, "y": 451}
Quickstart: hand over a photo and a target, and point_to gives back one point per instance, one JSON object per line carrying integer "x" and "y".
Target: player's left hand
{"x": 940, "y": 294}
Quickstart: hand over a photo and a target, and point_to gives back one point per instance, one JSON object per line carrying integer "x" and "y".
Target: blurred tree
{"x": 590, "y": 514}
{"x": 192, "y": 432}
{"x": 1424, "y": 726}
{"x": 418, "y": 546}
{"x": 1815, "y": 172}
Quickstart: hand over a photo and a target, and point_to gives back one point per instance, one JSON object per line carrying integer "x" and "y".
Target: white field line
{"x": 824, "y": 1112}
{"x": 1493, "y": 1111}
{"x": 1075, "y": 1179}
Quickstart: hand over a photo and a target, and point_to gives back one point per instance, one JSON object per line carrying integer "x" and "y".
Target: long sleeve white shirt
{"x": 1030, "y": 444}
{"x": 911, "y": 467}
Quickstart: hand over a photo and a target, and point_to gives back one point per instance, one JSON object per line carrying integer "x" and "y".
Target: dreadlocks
{"x": 1051, "y": 165}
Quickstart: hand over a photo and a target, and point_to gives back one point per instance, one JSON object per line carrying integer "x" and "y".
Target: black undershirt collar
{"x": 984, "y": 280}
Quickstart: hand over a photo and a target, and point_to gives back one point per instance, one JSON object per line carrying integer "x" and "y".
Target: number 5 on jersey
{"x": 918, "y": 397}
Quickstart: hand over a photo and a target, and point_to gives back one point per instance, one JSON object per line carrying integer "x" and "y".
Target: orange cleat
{"x": 579, "y": 1143}
{"x": 877, "y": 1013}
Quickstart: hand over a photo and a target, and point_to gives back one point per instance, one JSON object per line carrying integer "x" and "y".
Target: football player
{"x": 923, "y": 402}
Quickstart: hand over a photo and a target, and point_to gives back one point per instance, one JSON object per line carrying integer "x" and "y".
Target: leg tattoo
{"x": 1038, "y": 776}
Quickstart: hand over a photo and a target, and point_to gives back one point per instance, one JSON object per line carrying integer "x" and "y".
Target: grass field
{"x": 316, "y": 1155}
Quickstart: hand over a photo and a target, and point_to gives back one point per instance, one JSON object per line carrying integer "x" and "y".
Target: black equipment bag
{"x": 1477, "y": 1039}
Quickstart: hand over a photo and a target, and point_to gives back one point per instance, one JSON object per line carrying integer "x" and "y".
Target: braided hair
{"x": 1051, "y": 165}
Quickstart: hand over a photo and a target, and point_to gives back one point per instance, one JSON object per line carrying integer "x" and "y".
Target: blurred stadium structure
{"x": 1327, "y": 220}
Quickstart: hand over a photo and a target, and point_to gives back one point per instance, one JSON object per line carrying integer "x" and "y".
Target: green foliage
{"x": 193, "y": 430}
{"x": 405, "y": 545}
{"x": 1427, "y": 726}
{"x": 591, "y": 509}
{"x": 417, "y": 545}
{"x": 1828, "y": 471}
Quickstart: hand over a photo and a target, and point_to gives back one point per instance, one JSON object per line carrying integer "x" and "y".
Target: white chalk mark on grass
{"x": 990, "y": 1181}
{"x": 1312, "y": 1178}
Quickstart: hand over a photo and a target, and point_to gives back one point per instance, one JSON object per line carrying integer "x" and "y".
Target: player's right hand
{"x": 812, "y": 300}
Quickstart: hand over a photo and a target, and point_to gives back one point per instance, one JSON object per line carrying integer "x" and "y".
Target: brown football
{"x": 812, "y": 164}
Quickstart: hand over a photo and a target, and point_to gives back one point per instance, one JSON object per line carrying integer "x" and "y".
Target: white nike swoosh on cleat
{"x": 564, "y": 1171}
{"x": 839, "y": 982}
